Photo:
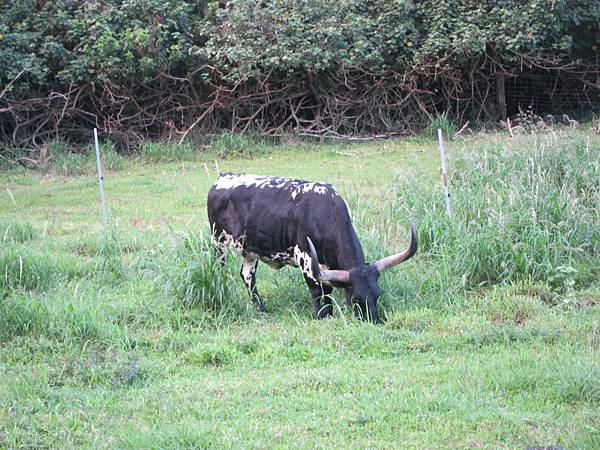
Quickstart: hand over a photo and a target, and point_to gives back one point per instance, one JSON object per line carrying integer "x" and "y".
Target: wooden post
{"x": 444, "y": 174}
{"x": 101, "y": 178}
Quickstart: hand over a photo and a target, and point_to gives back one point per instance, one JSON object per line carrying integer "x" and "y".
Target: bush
{"x": 289, "y": 36}
{"x": 60, "y": 43}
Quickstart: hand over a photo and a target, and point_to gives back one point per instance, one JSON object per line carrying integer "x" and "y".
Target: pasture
{"x": 138, "y": 338}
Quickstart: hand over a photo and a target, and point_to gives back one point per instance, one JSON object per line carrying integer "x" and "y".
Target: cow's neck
{"x": 349, "y": 252}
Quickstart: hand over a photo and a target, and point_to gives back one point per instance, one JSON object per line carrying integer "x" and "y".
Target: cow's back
{"x": 248, "y": 213}
{"x": 271, "y": 214}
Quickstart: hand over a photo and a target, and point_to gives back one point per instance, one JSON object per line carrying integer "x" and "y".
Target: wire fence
{"x": 544, "y": 91}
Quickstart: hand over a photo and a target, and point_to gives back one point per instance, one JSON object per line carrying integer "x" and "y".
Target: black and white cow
{"x": 281, "y": 222}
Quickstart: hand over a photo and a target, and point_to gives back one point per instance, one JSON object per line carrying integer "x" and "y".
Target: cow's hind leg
{"x": 248, "y": 274}
{"x": 321, "y": 294}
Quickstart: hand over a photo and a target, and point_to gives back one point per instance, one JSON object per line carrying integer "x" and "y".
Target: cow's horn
{"x": 392, "y": 260}
{"x": 335, "y": 276}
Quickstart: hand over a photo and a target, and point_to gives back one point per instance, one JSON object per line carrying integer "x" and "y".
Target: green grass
{"x": 156, "y": 152}
{"x": 138, "y": 336}
{"x": 16, "y": 231}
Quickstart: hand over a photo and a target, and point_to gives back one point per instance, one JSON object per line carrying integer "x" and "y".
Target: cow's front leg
{"x": 248, "y": 274}
{"x": 320, "y": 293}
{"x": 219, "y": 252}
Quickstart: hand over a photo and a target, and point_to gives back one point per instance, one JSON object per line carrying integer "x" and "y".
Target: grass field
{"x": 137, "y": 338}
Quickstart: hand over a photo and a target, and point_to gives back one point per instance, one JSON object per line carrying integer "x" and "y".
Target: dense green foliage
{"x": 67, "y": 42}
{"x": 153, "y": 68}
{"x": 399, "y": 34}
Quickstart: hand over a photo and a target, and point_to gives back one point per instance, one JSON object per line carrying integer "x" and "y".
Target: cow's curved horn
{"x": 392, "y": 260}
{"x": 336, "y": 276}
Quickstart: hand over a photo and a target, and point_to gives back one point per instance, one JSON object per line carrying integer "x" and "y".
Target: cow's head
{"x": 361, "y": 283}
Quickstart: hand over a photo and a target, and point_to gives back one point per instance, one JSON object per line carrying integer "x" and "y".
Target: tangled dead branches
{"x": 356, "y": 104}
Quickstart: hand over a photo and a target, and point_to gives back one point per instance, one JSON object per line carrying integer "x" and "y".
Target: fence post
{"x": 101, "y": 178}
{"x": 444, "y": 174}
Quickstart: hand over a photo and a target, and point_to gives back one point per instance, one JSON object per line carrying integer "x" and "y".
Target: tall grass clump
{"x": 68, "y": 161}
{"x": 16, "y": 231}
{"x": 22, "y": 268}
{"x": 65, "y": 162}
{"x": 441, "y": 122}
{"x": 20, "y": 317}
{"x": 519, "y": 214}
{"x": 105, "y": 253}
{"x": 11, "y": 156}
{"x": 111, "y": 159}
{"x": 236, "y": 145}
{"x": 109, "y": 261}
{"x": 57, "y": 315}
{"x": 27, "y": 269}
{"x": 157, "y": 151}
{"x": 199, "y": 278}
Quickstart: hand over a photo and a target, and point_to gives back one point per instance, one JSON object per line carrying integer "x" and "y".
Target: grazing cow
{"x": 281, "y": 222}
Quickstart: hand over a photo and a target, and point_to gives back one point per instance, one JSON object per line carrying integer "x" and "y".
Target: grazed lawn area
{"x": 130, "y": 340}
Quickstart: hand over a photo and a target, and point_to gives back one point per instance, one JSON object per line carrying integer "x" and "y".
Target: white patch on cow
{"x": 316, "y": 188}
{"x": 293, "y": 257}
{"x": 304, "y": 262}
{"x": 295, "y": 187}
{"x": 226, "y": 240}
{"x": 248, "y": 270}
{"x": 230, "y": 181}
{"x": 278, "y": 257}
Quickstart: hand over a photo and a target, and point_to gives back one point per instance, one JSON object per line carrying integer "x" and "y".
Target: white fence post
{"x": 444, "y": 174}
{"x": 101, "y": 178}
